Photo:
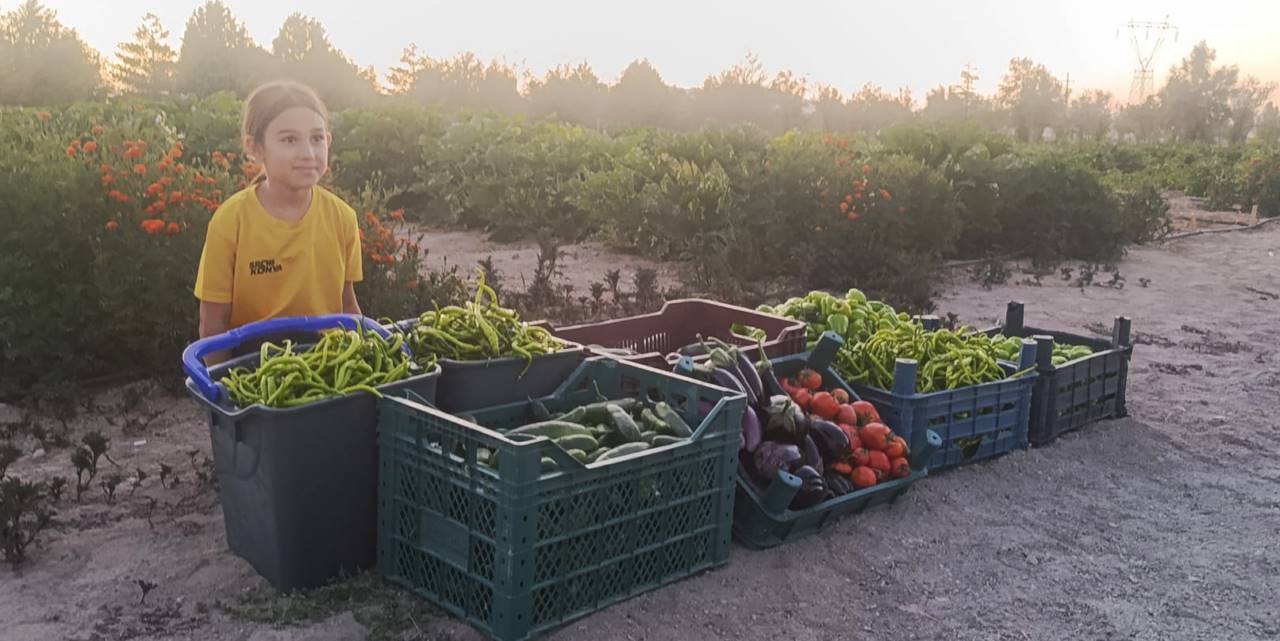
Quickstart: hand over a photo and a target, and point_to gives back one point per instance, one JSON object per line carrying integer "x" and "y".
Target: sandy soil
{"x": 1161, "y": 526}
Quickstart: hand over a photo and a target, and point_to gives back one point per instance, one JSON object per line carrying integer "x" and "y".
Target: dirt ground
{"x": 1165, "y": 525}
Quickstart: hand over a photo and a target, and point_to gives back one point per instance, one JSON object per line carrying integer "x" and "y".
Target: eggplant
{"x": 837, "y": 485}
{"x": 813, "y": 488}
{"x": 728, "y": 378}
{"x": 752, "y": 428}
{"x": 769, "y": 382}
{"x": 748, "y": 373}
{"x": 812, "y": 458}
{"x": 782, "y": 420}
{"x": 832, "y": 442}
{"x": 771, "y": 456}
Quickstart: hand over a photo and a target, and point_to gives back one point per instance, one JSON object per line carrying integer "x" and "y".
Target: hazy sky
{"x": 908, "y": 43}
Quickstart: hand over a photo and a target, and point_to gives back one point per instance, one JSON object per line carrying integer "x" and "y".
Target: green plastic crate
{"x": 515, "y": 551}
{"x": 761, "y": 517}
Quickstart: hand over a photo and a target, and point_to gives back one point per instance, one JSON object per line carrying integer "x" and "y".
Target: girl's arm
{"x": 349, "y": 303}
{"x": 215, "y": 318}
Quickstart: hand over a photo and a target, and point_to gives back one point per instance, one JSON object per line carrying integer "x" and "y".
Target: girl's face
{"x": 295, "y": 149}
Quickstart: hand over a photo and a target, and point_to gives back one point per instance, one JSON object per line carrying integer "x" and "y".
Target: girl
{"x": 283, "y": 246}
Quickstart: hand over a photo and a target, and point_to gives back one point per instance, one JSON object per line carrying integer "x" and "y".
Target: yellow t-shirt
{"x": 267, "y": 268}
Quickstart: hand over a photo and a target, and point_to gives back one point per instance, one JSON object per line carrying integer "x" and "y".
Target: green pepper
{"x": 839, "y": 323}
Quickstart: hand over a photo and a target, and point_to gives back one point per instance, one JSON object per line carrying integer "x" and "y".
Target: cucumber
{"x": 594, "y": 456}
{"x": 652, "y": 422}
{"x": 673, "y": 419}
{"x": 550, "y": 429}
{"x": 647, "y": 436}
{"x": 623, "y": 450}
{"x": 580, "y": 455}
{"x": 584, "y": 442}
{"x": 666, "y": 439}
{"x": 549, "y": 465}
{"x": 597, "y": 412}
{"x": 624, "y": 423}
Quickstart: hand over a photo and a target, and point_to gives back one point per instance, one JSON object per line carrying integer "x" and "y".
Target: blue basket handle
{"x": 192, "y": 357}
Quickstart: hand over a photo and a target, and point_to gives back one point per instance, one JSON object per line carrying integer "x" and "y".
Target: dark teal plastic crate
{"x": 515, "y": 551}
{"x": 468, "y": 385}
{"x": 998, "y": 413}
{"x": 761, "y": 518}
{"x": 1072, "y": 395}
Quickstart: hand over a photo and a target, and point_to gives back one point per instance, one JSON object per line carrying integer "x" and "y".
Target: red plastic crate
{"x": 653, "y": 336}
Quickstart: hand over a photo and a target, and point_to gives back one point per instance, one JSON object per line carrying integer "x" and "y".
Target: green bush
{"x": 1052, "y": 208}
{"x": 1262, "y": 180}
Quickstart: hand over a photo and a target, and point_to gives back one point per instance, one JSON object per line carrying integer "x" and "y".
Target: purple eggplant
{"x": 832, "y": 442}
{"x": 752, "y": 429}
{"x": 837, "y": 485}
{"x": 813, "y": 489}
{"x": 812, "y": 458}
{"x": 786, "y": 420}
{"x": 771, "y": 456}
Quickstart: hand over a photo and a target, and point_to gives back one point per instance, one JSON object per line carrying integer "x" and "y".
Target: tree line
{"x": 43, "y": 62}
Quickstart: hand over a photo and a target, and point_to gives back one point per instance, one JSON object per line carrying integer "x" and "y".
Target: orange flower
{"x": 96, "y": 130}
{"x": 152, "y": 226}
{"x": 848, "y": 198}
{"x": 107, "y": 179}
{"x": 162, "y": 165}
{"x": 217, "y": 155}
{"x": 71, "y": 151}
{"x": 179, "y": 167}
{"x": 106, "y": 169}
{"x": 857, "y": 196}
{"x": 154, "y": 189}
{"x": 884, "y": 193}
{"x": 853, "y": 215}
{"x": 140, "y": 169}
{"x": 172, "y": 229}
{"x": 866, "y": 169}
{"x": 250, "y": 169}
{"x": 116, "y": 194}
{"x": 175, "y": 197}
{"x": 844, "y": 207}
{"x": 44, "y": 116}
{"x": 398, "y": 214}
{"x": 112, "y": 225}
{"x": 90, "y": 147}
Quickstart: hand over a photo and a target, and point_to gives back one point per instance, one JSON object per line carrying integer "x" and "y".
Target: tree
{"x": 463, "y": 81}
{"x": 1268, "y": 128}
{"x": 148, "y": 65}
{"x": 744, "y": 94}
{"x": 218, "y": 54}
{"x": 1143, "y": 121}
{"x": 1089, "y": 116}
{"x": 1245, "y": 103}
{"x": 830, "y": 110}
{"x": 1196, "y": 100}
{"x": 41, "y": 61}
{"x": 1033, "y": 96}
{"x": 574, "y": 94}
{"x": 305, "y": 54}
{"x": 640, "y": 98}
{"x": 961, "y": 103}
{"x": 873, "y": 109}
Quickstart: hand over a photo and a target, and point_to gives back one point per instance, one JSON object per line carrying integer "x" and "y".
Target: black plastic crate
{"x": 298, "y": 486}
{"x": 469, "y": 385}
{"x": 1069, "y": 396}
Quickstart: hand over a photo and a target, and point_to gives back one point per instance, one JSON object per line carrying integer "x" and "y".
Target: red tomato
{"x": 842, "y": 397}
{"x": 878, "y": 461}
{"x": 866, "y": 412}
{"x": 824, "y": 404}
{"x": 901, "y": 468}
{"x": 863, "y": 477}
{"x": 846, "y": 415}
{"x": 875, "y": 436}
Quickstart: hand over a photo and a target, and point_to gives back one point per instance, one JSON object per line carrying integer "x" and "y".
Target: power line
{"x": 1145, "y": 48}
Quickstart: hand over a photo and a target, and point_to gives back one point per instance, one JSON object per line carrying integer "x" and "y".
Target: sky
{"x": 894, "y": 44}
